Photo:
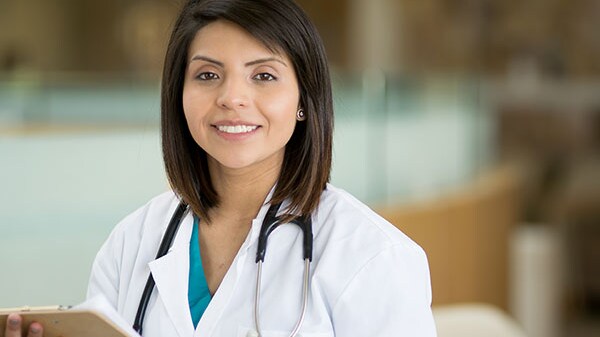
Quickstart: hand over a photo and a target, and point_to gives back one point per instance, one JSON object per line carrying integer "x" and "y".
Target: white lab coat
{"x": 367, "y": 277}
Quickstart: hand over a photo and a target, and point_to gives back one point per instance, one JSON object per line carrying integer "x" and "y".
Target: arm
{"x": 389, "y": 296}
{"x": 104, "y": 277}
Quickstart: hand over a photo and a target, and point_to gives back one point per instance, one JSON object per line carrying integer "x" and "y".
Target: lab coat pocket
{"x": 251, "y": 332}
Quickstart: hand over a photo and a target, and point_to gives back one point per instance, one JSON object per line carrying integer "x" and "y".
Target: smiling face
{"x": 239, "y": 98}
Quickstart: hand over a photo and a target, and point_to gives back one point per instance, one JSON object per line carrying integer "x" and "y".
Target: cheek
{"x": 188, "y": 103}
{"x": 194, "y": 106}
{"x": 185, "y": 101}
{"x": 282, "y": 117}
{"x": 194, "y": 110}
{"x": 282, "y": 107}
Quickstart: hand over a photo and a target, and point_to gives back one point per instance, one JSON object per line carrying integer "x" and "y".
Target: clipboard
{"x": 59, "y": 322}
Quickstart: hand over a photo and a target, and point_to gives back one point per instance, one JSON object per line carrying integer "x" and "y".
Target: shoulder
{"x": 151, "y": 216}
{"x": 134, "y": 239}
{"x": 351, "y": 237}
{"x": 143, "y": 227}
{"x": 347, "y": 216}
{"x": 356, "y": 249}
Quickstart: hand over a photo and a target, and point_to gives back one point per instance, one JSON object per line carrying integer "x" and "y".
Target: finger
{"x": 13, "y": 326}
{"x": 35, "y": 330}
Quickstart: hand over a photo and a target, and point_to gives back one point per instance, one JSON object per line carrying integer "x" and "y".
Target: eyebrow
{"x": 265, "y": 60}
{"x": 247, "y": 64}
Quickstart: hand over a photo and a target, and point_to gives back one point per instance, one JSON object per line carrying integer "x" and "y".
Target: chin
{"x": 236, "y": 160}
{"x": 234, "y": 163}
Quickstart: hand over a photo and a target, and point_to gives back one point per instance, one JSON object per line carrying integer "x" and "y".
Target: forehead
{"x": 222, "y": 36}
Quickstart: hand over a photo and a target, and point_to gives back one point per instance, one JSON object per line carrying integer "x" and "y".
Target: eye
{"x": 207, "y": 76}
{"x": 264, "y": 77}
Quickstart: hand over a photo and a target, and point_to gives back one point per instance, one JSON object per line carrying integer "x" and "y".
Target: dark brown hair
{"x": 284, "y": 27}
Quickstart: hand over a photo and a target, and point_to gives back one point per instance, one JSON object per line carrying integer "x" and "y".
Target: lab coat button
{"x": 252, "y": 333}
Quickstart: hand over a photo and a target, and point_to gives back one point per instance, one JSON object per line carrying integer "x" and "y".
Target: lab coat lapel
{"x": 227, "y": 288}
{"x": 171, "y": 274}
{"x": 231, "y": 281}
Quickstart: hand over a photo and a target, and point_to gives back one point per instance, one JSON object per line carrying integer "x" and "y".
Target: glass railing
{"x": 395, "y": 137}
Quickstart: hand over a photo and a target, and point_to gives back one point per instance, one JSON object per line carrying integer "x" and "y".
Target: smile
{"x": 236, "y": 129}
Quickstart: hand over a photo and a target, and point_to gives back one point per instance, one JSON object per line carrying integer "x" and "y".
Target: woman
{"x": 247, "y": 123}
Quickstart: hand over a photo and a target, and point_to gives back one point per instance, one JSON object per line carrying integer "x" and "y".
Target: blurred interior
{"x": 472, "y": 125}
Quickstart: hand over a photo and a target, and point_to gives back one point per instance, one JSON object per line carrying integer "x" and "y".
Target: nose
{"x": 234, "y": 94}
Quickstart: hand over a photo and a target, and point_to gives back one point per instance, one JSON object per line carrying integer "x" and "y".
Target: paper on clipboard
{"x": 94, "y": 317}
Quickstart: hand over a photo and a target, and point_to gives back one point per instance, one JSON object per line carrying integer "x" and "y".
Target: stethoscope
{"x": 269, "y": 224}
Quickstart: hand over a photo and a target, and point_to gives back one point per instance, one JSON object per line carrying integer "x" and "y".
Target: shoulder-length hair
{"x": 283, "y": 27}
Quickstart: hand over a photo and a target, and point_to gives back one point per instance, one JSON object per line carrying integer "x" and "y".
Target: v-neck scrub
{"x": 198, "y": 292}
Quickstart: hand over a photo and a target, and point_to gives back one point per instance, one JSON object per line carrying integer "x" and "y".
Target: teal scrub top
{"x": 198, "y": 292}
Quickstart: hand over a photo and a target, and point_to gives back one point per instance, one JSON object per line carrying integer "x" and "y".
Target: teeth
{"x": 236, "y": 128}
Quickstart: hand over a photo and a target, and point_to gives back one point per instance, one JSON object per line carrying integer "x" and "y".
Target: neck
{"x": 241, "y": 191}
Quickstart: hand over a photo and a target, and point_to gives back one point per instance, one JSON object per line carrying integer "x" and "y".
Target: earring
{"x": 300, "y": 116}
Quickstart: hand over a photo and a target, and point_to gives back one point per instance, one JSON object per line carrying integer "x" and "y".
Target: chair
{"x": 474, "y": 320}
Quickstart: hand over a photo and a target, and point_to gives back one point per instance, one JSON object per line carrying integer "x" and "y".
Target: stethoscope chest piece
{"x": 252, "y": 333}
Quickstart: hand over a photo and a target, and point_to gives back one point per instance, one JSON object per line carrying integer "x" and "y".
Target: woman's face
{"x": 239, "y": 98}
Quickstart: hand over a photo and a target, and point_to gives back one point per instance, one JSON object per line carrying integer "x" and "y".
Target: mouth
{"x": 236, "y": 129}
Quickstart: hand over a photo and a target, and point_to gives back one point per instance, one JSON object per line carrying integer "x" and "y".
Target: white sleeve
{"x": 105, "y": 274}
{"x": 390, "y": 296}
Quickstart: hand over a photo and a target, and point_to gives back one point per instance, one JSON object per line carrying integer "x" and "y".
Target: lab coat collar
{"x": 254, "y": 231}
{"x": 257, "y": 222}
{"x": 267, "y": 203}
{"x": 170, "y": 274}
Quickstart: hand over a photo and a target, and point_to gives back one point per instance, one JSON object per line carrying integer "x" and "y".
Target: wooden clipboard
{"x": 66, "y": 323}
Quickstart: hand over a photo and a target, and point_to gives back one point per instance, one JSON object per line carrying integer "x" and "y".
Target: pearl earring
{"x": 300, "y": 116}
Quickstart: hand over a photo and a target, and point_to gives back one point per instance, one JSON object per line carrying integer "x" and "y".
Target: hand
{"x": 13, "y": 327}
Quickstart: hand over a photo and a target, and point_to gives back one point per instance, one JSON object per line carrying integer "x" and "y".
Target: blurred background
{"x": 472, "y": 125}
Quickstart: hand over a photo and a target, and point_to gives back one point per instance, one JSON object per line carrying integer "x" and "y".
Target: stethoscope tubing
{"x": 163, "y": 248}
{"x": 305, "y": 286}
{"x": 270, "y": 223}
